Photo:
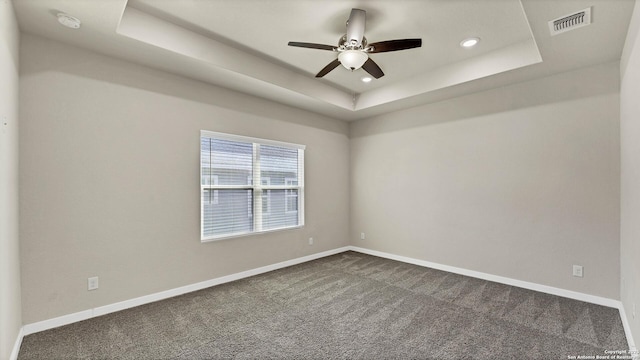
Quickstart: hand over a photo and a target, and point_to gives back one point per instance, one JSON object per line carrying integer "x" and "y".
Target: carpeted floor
{"x": 344, "y": 306}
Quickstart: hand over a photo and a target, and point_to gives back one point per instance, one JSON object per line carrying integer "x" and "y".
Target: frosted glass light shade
{"x": 352, "y": 59}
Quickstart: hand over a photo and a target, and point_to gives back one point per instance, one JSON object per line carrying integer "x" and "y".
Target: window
{"x": 291, "y": 196}
{"x": 249, "y": 185}
{"x": 266, "y": 197}
{"x": 211, "y": 180}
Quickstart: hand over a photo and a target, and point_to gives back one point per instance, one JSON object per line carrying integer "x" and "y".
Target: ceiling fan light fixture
{"x": 352, "y": 59}
{"x": 469, "y": 42}
{"x": 353, "y": 49}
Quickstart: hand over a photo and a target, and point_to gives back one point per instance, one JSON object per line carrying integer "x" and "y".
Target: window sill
{"x": 226, "y": 237}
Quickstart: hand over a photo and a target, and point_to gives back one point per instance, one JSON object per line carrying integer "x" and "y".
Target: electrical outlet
{"x": 92, "y": 283}
{"x": 361, "y": 236}
{"x": 310, "y": 241}
{"x": 577, "y": 270}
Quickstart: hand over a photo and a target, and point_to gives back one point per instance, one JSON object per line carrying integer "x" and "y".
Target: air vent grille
{"x": 570, "y": 22}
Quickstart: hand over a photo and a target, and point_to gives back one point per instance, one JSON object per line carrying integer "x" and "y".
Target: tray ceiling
{"x": 242, "y": 45}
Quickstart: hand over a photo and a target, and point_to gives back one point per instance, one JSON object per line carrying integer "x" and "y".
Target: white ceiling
{"x": 242, "y": 44}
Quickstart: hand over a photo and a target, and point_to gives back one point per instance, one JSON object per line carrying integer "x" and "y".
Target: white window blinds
{"x": 249, "y": 185}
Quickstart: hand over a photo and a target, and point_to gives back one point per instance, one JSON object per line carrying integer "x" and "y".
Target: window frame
{"x": 256, "y": 190}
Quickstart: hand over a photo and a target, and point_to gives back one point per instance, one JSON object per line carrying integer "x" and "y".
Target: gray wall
{"x": 10, "y": 310}
{"x": 109, "y": 177}
{"x": 520, "y": 181}
{"x": 630, "y": 181}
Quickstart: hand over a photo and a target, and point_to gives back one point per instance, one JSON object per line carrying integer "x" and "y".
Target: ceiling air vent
{"x": 570, "y": 22}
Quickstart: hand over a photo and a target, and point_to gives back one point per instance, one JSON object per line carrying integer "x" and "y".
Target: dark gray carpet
{"x": 344, "y": 306}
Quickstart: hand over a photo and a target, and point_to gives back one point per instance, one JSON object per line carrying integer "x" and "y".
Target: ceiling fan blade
{"x": 332, "y": 65}
{"x": 394, "y": 45}
{"x": 372, "y": 68}
{"x": 312, "y": 45}
{"x": 355, "y": 27}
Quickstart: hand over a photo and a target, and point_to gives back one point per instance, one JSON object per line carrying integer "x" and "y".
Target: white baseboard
{"x": 627, "y": 332}
{"x": 106, "y": 309}
{"x": 495, "y": 278}
{"x": 29, "y": 329}
{"x": 513, "y": 282}
{"x": 16, "y": 345}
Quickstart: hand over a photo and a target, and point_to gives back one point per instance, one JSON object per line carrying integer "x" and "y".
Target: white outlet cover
{"x": 92, "y": 283}
{"x": 577, "y": 270}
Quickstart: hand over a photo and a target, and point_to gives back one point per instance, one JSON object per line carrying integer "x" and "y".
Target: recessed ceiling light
{"x": 69, "y": 21}
{"x": 470, "y": 42}
{"x": 366, "y": 79}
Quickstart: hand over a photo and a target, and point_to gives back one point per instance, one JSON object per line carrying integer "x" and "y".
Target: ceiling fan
{"x": 353, "y": 49}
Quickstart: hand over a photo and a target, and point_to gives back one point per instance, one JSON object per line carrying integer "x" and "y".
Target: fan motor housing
{"x": 343, "y": 45}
